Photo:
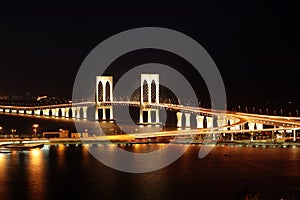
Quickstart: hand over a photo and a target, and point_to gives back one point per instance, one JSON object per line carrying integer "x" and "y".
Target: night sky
{"x": 255, "y": 45}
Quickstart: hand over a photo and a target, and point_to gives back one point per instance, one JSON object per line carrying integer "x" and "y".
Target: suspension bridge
{"x": 151, "y": 100}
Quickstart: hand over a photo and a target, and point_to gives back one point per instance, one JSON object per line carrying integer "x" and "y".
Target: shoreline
{"x": 131, "y": 141}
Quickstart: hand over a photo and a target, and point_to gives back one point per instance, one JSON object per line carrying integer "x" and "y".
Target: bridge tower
{"x": 104, "y": 96}
{"x": 149, "y": 95}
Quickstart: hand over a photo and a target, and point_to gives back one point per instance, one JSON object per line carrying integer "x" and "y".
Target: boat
{"x": 25, "y": 146}
{"x": 5, "y": 150}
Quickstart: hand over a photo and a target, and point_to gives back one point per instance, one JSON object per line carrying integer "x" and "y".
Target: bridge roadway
{"x": 66, "y": 105}
{"x": 192, "y": 132}
{"x": 283, "y": 122}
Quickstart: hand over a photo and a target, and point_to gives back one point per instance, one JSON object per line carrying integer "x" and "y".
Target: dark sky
{"x": 254, "y": 45}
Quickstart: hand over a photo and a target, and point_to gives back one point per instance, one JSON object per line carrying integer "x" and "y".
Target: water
{"x": 61, "y": 172}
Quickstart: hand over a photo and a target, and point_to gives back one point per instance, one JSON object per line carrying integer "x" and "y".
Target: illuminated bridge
{"x": 226, "y": 122}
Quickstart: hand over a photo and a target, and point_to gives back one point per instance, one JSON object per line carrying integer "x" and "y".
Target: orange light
{"x": 35, "y": 152}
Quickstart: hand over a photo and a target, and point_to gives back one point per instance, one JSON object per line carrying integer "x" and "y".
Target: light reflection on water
{"x": 59, "y": 171}
{"x": 142, "y": 148}
{"x": 36, "y": 173}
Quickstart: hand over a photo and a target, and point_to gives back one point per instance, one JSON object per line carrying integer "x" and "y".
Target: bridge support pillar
{"x": 209, "y": 122}
{"x": 179, "y": 119}
{"x": 141, "y": 116}
{"x": 187, "y": 120}
{"x": 111, "y": 116}
{"x": 104, "y": 110}
{"x": 232, "y": 137}
{"x": 73, "y": 112}
{"x": 221, "y": 121}
{"x": 63, "y": 112}
{"x": 57, "y": 112}
{"x": 84, "y": 109}
{"x": 46, "y": 112}
{"x": 251, "y": 137}
{"x": 67, "y": 112}
{"x": 251, "y": 126}
{"x": 199, "y": 119}
{"x": 21, "y": 112}
{"x": 96, "y": 114}
{"x": 294, "y": 135}
{"x": 259, "y": 126}
{"x": 37, "y": 112}
{"x": 149, "y": 115}
{"x": 104, "y": 114}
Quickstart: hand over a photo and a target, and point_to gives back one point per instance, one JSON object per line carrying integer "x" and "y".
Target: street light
{"x": 13, "y": 131}
{"x": 35, "y": 126}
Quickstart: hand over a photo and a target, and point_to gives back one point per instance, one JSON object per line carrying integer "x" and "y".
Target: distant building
{"x": 75, "y": 135}
{"x": 59, "y": 134}
{"x": 85, "y": 133}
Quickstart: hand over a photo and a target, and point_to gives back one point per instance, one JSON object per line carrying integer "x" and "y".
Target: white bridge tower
{"x": 104, "y": 96}
{"x": 149, "y": 95}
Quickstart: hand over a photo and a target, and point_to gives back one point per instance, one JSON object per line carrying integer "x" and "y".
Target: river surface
{"x": 71, "y": 172}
